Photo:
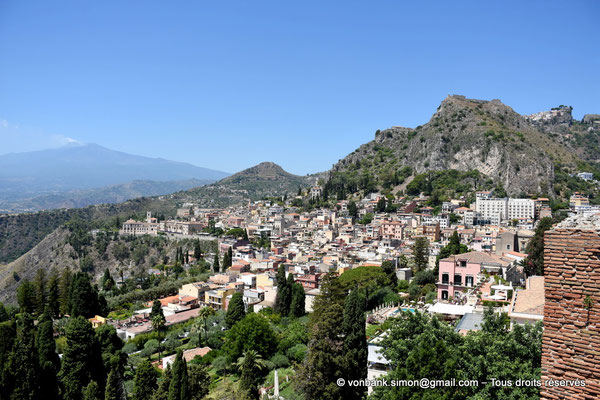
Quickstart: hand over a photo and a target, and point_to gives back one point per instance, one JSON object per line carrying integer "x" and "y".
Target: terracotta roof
{"x": 478, "y": 257}
{"x": 530, "y": 300}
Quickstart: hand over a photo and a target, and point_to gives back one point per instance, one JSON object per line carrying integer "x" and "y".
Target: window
{"x": 469, "y": 280}
{"x": 444, "y": 295}
{"x": 458, "y": 279}
{"x": 463, "y": 263}
{"x": 445, "y": 279}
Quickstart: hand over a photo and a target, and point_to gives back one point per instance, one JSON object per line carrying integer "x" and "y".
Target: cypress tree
{"x": 236, "y": 310}
{"x": 144, "y": 383}
{"x": 114, "y": 386}
{"x": 53, "y": 294}
{"x": 197, "y": 250}
{"x": 390, "y": 270}
{"x": 178, "y": 389}
{"x": 83, "y": 299}
{"x": 26, "y": 297}
{"x": 64, "y": 291}
{"x": 198, "y": 381}
{"x": 110, "y": 347}
{"x": 355, "y": 344}
{"x": 48, "y": 359}
{"x": 3, "y": 313}
{"x": 162, "y": 393}
{"x": 282, "y": 299}
{"x": 108, "y": 283}
{"x": 534, "y": 263}
{"x": 92, "y": 392}
{"x": 23, "y": 364}
{"x": 7, "y": 341}
{"x": 41, "y": 290}
{"x": 420, "y": 253}
{"x": 81, "y": 362}
{"x": 216, "y": 263}
{"x": 324, "y": 361}
{"x": 297, "y": 306}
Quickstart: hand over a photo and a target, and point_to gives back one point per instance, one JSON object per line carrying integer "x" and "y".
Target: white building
{"x": 496, "y": 210}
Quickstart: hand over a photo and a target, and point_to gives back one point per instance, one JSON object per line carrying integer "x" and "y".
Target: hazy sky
{"x": 227, "y": 85}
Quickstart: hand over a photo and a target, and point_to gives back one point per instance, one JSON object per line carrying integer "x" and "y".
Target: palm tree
{"x": 204, "y": 314}
{"x": 250, "y": 365}
{"x": 158, "y": 323}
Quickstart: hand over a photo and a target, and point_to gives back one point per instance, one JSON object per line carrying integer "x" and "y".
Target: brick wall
{"x": 571, "y": 344}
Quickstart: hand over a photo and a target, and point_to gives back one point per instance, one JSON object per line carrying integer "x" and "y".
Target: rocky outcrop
{"x": 561, "y": 115}
{"x": 467, "y": 134}
{"x": 591, "y": 119}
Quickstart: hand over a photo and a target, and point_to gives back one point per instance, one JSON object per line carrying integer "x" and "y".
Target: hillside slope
{"x": 21, "y": 232}
{"x": 465, "y": 135}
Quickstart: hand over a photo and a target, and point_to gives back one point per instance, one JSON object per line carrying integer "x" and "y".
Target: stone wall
{"x": 571, "y": 339}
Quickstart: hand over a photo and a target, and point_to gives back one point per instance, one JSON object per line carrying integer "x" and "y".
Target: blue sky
{"x": 227, "y": 85}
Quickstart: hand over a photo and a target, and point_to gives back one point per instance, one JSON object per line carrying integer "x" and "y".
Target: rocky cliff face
{"x": 466, "y": 134}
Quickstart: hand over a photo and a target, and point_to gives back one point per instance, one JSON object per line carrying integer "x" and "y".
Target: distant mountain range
{"x": 103, "y": 195}
{"x": 63, "y": 177}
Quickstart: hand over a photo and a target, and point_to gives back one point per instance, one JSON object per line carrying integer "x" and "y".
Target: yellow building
{"x": 263, "y": 280}
{"x": 97, "y": 321}
{"x": 217, "y": 298}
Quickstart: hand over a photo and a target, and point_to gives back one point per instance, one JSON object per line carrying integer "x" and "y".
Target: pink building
{"x": 459, "y": 272}
{"x": 392, "y": 230}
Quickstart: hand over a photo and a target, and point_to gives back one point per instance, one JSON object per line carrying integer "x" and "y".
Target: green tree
{"x": 420, "y": 253}
{"x": 110, "y": 346}
{"x": 283, "y": 297}
{"x": 3, "y": 314}
{"x": 216, "y": 263}
{"x": 178, "y": 389}
{"x": 453, "y": 247}
{"x": 251, "y": 333}
{"x": 390, "y": 270}
{"x": 495, "y": 323}
{"x": 41, "y": 290}
{"x": 64, "y": 291}
{"x": 236, "y": 310}
{"x": 54, "y": 293}
{"x": 108, "y": 283}
{"x": 158, "y": 324}
{"x": 198, "y": 381}
{"x": 83, "y": 299}
{"x": 26, "y": 297}
{"x": 380, "y": 205}
{"x": 534, "y": 263}
{"x": 7, "y": 341}
{"x": 92, "y": 392}
{"x": 197, "y": 250}
{"x": 250, "y": 366}
{"x": 114, "y": 386}
{"x": 352, "y": 210}
{"x": 81, "y": 362}
{"x": 23, "y": 362}
{"x": 355, "y": 344}
{"x": 297, "y": 306}
{"x": 145, "y": 381}
{"x": 162, "y": 393}
{"x": 49, "y": 363}
{"x": 323, "y": 364}
{"x": 204, "y": 314}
